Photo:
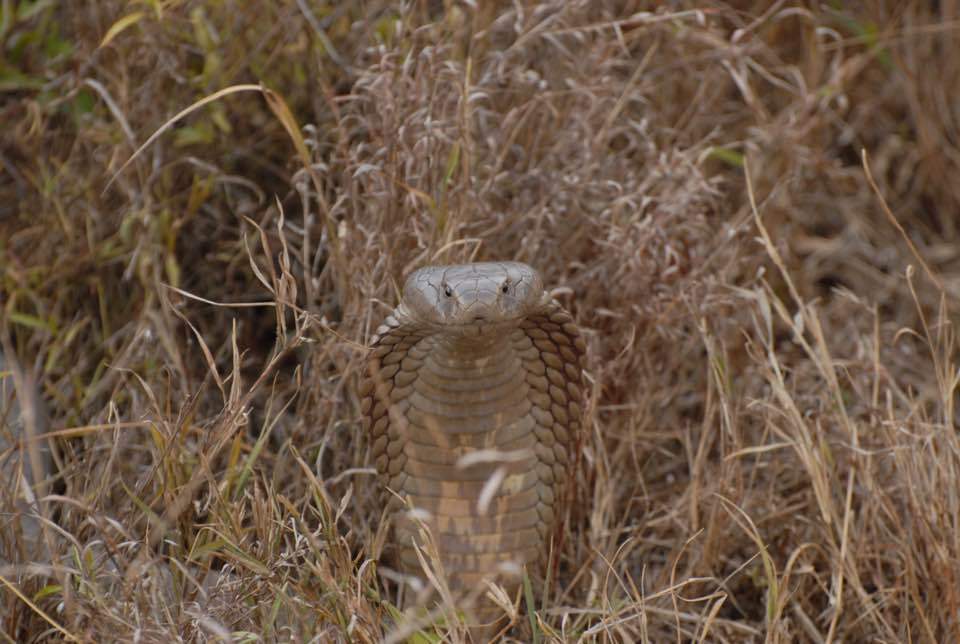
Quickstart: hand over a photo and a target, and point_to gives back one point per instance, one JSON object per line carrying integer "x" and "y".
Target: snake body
{"x": 473, "y": 404}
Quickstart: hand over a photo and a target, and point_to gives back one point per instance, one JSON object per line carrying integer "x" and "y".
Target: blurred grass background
{"x": 772, "y": 453}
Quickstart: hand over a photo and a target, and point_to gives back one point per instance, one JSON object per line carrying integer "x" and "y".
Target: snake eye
{"x": 447, "y": 290}
{"x": 505, "y": 288}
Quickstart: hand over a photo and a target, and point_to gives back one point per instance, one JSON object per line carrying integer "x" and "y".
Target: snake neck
{"x": 463, "y": 349}
{"x": 472, "y": 385}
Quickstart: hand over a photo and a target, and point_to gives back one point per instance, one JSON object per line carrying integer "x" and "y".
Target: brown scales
{"x": 436, "y": 392}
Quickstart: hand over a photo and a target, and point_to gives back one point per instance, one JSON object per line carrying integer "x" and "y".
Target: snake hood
{"x": 472, "y": 297}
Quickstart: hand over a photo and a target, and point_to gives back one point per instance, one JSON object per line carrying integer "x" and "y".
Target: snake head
{"x": 475, "y": 296}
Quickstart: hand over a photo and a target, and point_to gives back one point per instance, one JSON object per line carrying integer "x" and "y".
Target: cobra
{"x": 473, "y": 404}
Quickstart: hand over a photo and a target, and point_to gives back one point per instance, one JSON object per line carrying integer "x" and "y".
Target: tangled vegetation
{"x": 749, "y": 207}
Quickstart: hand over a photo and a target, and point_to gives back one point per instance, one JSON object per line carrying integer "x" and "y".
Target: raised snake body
{"x": 473, "y": 404}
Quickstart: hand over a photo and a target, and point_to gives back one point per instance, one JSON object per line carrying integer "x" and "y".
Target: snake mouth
{"x": 486, "y": 322}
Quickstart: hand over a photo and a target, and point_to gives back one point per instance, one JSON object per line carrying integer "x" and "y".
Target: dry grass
{"x": 773, "y": 451}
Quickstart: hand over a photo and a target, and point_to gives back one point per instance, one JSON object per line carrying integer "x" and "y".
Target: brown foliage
{"x": 772, "y": 453}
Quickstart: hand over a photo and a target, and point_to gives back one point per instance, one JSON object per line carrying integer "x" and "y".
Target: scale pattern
{"x": 431, "y": 398}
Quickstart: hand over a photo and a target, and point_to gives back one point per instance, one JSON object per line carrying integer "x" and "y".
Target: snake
{"x": 472, "y": 401}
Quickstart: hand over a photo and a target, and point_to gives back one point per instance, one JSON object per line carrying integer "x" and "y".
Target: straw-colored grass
{"x": 750, "y": 208}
